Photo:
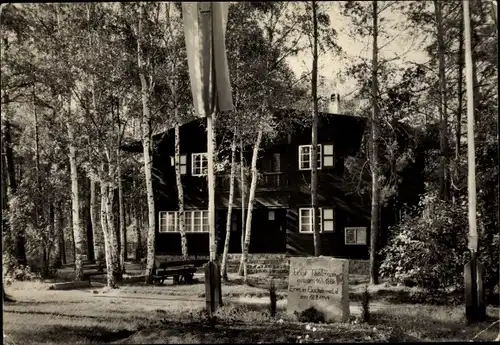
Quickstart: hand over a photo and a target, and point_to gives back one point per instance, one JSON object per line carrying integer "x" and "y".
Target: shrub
{"x": 429, "y": 247}
{"x": 310, "y": 315}
{"x": 13, "y": 272}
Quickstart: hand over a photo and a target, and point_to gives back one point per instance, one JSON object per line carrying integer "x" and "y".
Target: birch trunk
{"x": 375, "y": 211}
{"x": 137, "y": 232}
{"x": 251, "y": 199}
{"x": 146, "y": 144}
{"x": 97, "y": 233}
{"x": 180, "y": 192}
{"x": 57, "y": 235}
{"x": 242, "y": 186}
{"x": 62, "y": 241}
{"x": 123, "y": 229}
{"x": 314, "y": 138}
{"x": 229, "y": 209}
{"x": 104, "y": 226}
{"x": 137, "y": 227}
{"x": 444, "y": 185}
{"x": 78, "y": 234}
{"x": 113, "y": 238}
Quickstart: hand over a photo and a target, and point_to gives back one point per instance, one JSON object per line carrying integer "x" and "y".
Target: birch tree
{"x": 142, "y": 64}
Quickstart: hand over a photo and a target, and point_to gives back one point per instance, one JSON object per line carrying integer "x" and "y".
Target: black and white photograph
{"x": 250, "y": 172}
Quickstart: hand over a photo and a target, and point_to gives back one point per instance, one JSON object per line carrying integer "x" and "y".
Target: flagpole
{"x": 473, "y": 269}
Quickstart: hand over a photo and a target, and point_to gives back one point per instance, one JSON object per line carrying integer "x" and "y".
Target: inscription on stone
{"x": 319, "y": 282}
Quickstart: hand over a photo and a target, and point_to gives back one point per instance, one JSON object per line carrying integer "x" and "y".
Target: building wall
{"x": 280, "y": 235}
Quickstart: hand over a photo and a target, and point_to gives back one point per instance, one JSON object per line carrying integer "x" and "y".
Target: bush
{"x": 13, "y": 272}
{"x": 429, "y": 247}
{"x": 310, "y": 315}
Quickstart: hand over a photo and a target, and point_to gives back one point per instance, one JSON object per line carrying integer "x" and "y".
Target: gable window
{"x": 194, "y": 221}
{"x": 355, "y": 235}
{"x": 305, "y": 157}
{"x": 328, "y": 156}
{"x": 182, "y": 163}
{"x": 199, "y": 164}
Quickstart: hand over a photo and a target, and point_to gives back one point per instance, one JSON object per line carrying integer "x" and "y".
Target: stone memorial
{"x": 319, "y": 282}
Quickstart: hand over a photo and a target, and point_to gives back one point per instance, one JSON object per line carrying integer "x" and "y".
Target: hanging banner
{"x": 204, "y": 32}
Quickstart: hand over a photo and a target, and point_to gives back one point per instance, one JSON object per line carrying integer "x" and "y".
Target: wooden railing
{"x": 266, "y": 180}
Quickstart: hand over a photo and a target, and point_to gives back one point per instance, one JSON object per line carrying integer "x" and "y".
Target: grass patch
{"x": 435, "y": 323}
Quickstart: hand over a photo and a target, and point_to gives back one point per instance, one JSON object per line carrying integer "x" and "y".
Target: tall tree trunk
{"x": 471, "y": 153}
{"x": 123, "y": 228}
{"x": 242, "y": 187}
{"x": 146, "y": 144}
{"x": 444, "y": 178}
{"x": 38, "y": 210}
{"x": 229, "y": 208}
{"x": 75, "y": 201}
{"x": 18, "y": 234}
{"x": 113, "y": 238}
{"x": 458, "y": 131}
{"x": 375, "y": 164}
{"x": 88, "y": 229}
{"x": 138, "y": 245}
{"x": 57, "y": 235}
{"x": 53, "y": 239}
{"x": 211, "y": 185}
{"x": 62, "y": 241}
{"x": 314, "y": 138}
{"x": 180, "y": 190}
{"x": 251, "y": 199}
{"x": 136, "y": 214}
{"x": 104, "y": 226}
{"x": 97, "y": 232}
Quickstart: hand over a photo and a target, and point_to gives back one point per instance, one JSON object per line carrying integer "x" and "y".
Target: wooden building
{"x": 282, "y": 211}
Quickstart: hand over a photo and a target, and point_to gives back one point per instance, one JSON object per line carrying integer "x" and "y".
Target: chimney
{"x": 334, "y": 106}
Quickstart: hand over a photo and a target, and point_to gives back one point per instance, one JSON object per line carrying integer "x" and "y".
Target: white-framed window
{"x": 305, "y": 153}
{"x": 182, "y": 163}
{"x": 328, "y": 158}
{"x": 271, "y": 215}
{"x": 326, "y": 220}
{"x": 306, "y": 220}
{"x": 168, "y": 221}
{"x": 199, "y": 164}
{"x": 355, "y": 235}
{"x": 194, "y": 221}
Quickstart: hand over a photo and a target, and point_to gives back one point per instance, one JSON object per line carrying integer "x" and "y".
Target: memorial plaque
{"x": 319, "y": 282}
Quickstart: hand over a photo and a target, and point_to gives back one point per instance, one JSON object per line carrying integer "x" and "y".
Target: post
{"x": 474, "y": 309}
{"x": 211, "y": 186}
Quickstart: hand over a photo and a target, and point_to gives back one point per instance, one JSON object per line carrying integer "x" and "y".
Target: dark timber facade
{"x": 282, "y": 210}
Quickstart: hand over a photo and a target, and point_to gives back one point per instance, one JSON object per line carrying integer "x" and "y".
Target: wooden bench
{"x": 178, "y": 270}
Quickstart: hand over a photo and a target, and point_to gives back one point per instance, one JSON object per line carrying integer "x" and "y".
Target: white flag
{"x": 204, "y": 31}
